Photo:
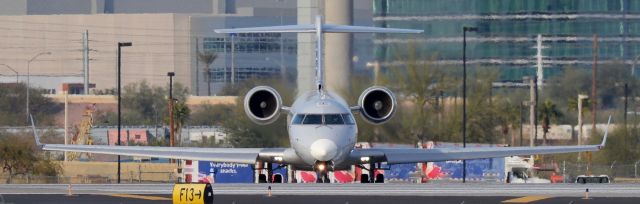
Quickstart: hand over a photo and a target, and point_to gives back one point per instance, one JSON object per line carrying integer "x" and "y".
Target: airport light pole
{"x": 465, "y": 29}
{"x": 120, "y": 45}
{"x": 171, "y": 122}
{"x": 28, "y": 73}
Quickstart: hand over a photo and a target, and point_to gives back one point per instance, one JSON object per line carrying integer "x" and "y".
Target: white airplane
{"x": 322, "y": 130}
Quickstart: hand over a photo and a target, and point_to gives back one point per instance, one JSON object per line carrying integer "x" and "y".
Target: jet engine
{"x": 262, "y": 105}
{"x": 377, "y": 104}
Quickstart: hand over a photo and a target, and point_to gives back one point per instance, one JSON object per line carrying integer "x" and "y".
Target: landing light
{"x": 278, "y": 159}
{"x": 321, "y": 167}
{"x": 364, "y": 159}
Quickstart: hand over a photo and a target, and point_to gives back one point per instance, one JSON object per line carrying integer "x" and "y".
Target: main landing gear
{"x": 367, "y": 178}
{"x": 269, "y": 177}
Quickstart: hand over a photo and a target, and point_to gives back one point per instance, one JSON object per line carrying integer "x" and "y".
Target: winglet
{"x": 606, "y": 132}
{"x": 35, "y": 133}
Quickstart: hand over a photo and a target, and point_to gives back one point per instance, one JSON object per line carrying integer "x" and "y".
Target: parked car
{"x": 584, "y": 179}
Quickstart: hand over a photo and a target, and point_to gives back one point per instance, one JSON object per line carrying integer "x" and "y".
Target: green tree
{"x": 420, "y": 87}
{"x": 143, "y": 104}
{"x": 210, "y": 115}
{"x": 207, "y": 58}
{"x": 18, "y": 156}
{"x": 548, "y": 113}
{"x": 13, "y": 106}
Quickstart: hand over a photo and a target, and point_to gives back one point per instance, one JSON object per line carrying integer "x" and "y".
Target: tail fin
{"x": 319, "y": 28}
{"x": 36, "y": 137}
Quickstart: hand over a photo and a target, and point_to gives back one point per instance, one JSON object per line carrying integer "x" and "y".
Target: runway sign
{"x": 196, "y": 193}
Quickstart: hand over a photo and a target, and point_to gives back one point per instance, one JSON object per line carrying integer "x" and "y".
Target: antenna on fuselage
{"x": 319, "y": 29}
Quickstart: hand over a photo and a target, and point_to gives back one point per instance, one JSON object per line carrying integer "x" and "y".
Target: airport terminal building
{"x": 507, "y": 32}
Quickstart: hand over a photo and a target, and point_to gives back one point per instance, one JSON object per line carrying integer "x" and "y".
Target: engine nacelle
{"x": 262, "y": 105}
{"x": 377, "y": 104}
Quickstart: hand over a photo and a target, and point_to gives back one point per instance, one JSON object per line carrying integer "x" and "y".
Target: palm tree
{"x": 207, "y": 58}
{"x": 181, "y": 113}
{"x": 548, "y": 112}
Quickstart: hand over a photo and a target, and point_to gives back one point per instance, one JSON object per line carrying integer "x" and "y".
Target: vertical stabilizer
{"x": 319, "y": 29}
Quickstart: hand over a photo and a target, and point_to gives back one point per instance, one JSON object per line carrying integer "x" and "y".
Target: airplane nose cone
{"x": 324, "y": 150}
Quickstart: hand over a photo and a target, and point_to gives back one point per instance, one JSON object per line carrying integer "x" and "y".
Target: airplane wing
{"x": 399, "y": 156}
{"x": 235, "y": 155}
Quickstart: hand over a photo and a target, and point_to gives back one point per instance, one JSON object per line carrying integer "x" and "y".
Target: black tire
{"x": 326, "y": 179}
{"x": 364, "y": 178}
{"x": 262, "y": 178}
{"x": 380, "y": 178}
{"x": 277, "y": 178}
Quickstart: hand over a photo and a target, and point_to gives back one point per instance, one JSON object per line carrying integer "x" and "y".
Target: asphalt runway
{"x": 328, "y": 193}
{"x": 317, "y": 199}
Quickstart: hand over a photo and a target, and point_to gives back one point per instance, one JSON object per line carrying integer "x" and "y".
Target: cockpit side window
{"x": 333, "y": 119}
{"x": 312, "y": 119}
{"x": 297, "y": 119}
{"x": 348, "y": 119}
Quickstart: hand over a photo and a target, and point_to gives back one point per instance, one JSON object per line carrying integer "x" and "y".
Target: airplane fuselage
{"x": 322, "y": 129}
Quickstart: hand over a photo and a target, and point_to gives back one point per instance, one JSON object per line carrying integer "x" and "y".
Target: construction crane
{"x": 82, "y": 132}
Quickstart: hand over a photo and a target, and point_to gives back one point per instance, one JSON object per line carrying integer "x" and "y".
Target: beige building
{"x": 161, "y": 44}
{"x": 166, "y": 37}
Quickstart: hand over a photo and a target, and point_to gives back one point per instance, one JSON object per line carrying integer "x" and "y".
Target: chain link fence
{"x": 619, "y": 173}
{"x": 130, "y": 177}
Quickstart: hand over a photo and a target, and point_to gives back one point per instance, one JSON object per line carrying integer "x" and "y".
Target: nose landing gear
{"x": 322, "y": 169}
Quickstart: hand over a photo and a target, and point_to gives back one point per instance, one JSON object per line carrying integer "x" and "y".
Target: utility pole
{"x": 532, "y": 113}
{"x": 581, "y": 97}
{"x": 522, "y": 104}
{"x": 66, "y": 121}
{"x": 198, "y": 69}
{"x": 540, "y": 70}
{"x": 85, "y": 60}
{"x": 626, "y": 102}
{"x": 594, "y": 75}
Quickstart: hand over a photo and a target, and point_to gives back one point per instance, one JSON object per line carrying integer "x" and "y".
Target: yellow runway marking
{"x": 526, "y": 199}
{"x": 140, "y": 197}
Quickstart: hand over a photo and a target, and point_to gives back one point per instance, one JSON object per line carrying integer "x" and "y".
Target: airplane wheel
{"x": 277, "y": 178}
{"x": 262, "y": 178}
{"x": 380, "y": 178}
{"x": 327, "y": 180}
{"x": 364, "y": 178}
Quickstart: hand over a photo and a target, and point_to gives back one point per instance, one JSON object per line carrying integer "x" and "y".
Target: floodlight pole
{"x": 120, "y": 45}
{"x": 28, "y": 81}
{"x": 464, "y": 95}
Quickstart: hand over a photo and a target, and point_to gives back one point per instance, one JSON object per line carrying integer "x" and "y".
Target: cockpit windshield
{"x": 312, "y": 120}
{"x": 333, "y": 119}
{"x": 325, "y": 119}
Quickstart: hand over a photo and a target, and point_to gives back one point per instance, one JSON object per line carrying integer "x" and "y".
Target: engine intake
{"x": 377, "y": 104}
{"x": 262, "y": 105}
